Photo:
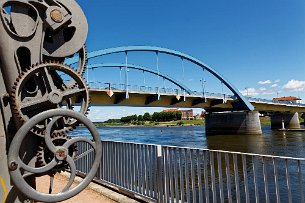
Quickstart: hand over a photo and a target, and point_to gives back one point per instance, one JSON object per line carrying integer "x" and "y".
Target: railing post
{"x": 160, "y": 174}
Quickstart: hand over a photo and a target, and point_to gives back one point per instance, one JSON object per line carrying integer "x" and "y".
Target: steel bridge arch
{"x": 142, "y": 68}
{"x": 94, "y": 54}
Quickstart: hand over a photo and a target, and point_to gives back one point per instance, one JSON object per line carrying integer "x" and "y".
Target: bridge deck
{"x": 216, "y": 102}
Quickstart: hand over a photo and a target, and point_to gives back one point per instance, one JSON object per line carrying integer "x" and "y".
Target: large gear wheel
{"x": 46, "y": 86}
{"x": 45, "y": 156}
{"x": 81, "y": 65}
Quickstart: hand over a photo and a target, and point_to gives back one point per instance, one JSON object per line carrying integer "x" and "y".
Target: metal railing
{"x": 128, "y": 166}
{"x": 176, "y": 174}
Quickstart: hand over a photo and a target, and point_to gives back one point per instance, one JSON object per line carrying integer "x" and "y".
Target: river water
{"x": 272, "y": 142}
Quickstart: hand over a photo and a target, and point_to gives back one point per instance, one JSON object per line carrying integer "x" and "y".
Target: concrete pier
{"x": 233, "y": 123}
{"x": 286, "y": 120}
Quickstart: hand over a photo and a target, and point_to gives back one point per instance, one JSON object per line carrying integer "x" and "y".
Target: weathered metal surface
{"x": 34, "y": 89}
{"x": 60, "y": 154}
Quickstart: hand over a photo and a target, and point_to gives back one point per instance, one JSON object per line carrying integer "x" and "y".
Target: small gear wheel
{"x": 83, "y": 60}
{"x": 81, "y": 65}
{"x": 45, "y": 156}
{"x": 43, "y": 87}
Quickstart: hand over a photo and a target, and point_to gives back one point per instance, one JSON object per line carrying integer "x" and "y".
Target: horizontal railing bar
{"x": 135, "y": 143}
{"x": 238, "y": 153}
{"x": 211, "y": 150}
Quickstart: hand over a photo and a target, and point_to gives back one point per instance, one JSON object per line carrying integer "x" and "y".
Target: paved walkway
{"x": 87, "y": 195}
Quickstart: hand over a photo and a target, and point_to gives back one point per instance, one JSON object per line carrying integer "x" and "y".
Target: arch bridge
{"x": 182, "y": 96}
{"x": 239, "y": 114}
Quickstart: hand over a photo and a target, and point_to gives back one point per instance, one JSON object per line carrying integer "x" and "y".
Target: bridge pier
{"x": 233, "y": 123}
{"x": 288, "y": 120}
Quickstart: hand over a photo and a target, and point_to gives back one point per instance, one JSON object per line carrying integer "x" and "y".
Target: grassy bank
{"x": 264, "y": 121}
{"x": 153, "y": 123}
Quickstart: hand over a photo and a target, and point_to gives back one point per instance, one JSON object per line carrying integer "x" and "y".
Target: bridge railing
{"x": 172, "y": 91}
{"x": 177, "y": 174}
{"x": 156, "y": 90}
{"x": 251, "y": 99}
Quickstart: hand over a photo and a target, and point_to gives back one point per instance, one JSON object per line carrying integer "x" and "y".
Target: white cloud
{"x": 274, "y": 85}
{"x": 277, "y": 81}
{"x": 268, "y": 93}
{"x": 295, "y": 85}
{"x": 250, "y": 92}
{"x": 255, "y": 92}
{"x": 266, "y": 82}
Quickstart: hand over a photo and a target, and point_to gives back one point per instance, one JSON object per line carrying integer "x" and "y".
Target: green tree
{"x": 134, "y": 117}
{"x": 140, "y": 118}
{"x": 147, "y": 117}
{"x": 156, "y": 116}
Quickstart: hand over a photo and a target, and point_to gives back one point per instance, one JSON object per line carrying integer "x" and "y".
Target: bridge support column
{"x": 288, "y": 120}
{"x": 246, "y": 123}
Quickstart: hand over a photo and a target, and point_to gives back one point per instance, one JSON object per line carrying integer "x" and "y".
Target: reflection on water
{"x": 271, "y": 142}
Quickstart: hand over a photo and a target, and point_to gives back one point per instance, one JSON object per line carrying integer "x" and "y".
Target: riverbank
{"x": 198, "y": 122}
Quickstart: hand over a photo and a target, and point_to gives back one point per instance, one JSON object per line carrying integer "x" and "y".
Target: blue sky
{"x": 258, "y": 45}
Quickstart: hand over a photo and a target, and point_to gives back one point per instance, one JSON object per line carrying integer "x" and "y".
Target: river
{"x": 271, "y": 142}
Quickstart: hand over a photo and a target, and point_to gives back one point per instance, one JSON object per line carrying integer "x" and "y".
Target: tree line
{"x": 156, "y": 116}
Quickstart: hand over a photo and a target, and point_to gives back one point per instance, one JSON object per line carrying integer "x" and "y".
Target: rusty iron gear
{"x": 45, "y": 156}
{"x": 82, "y": 60}
{"x": 42, "y": 87}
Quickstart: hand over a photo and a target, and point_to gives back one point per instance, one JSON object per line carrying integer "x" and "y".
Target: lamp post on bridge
{"x": 203, "y": 82}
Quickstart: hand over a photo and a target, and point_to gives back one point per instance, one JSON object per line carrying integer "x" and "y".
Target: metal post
{"x": 126, "y": 75}
{"x": 160, "y": 174}
{"x": 182, "y": 62}
{"x": 158, "y": 63}
{"x": 120, "y": 75}
{"x": 203, "y": 82}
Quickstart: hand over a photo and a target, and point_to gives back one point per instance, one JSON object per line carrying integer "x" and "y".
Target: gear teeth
{"x": 21, "y": 117}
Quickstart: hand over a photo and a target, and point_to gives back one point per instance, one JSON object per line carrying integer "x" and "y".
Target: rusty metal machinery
{"x": 38, "y": 93}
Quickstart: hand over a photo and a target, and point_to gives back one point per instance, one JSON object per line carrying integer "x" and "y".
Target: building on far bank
{"x": 185, "y": 114}
{"x": 171, "y": 110}
{"x": 287, "y": 100}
